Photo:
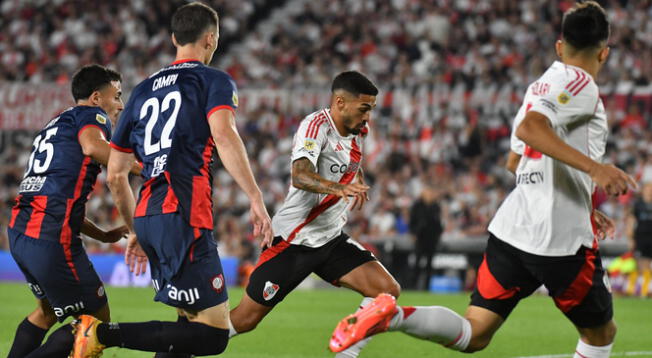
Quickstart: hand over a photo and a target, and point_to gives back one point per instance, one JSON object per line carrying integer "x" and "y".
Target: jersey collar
{"x": 566, "y": 66}
{"x": 185, "y": 60}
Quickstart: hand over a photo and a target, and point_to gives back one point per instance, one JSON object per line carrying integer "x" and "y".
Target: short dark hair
{"x": 355, "y": 83}
{"x": 190, "y": 21}
{"x": 585, "y": 25}
{"x": 91, "y": 78}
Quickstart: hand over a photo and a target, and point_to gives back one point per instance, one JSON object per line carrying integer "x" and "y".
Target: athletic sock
{"x": 433, "y": 323}
{"x": 584, "y": 350}
{"x": 58, "y": 345}
{"x": 156, "y": 336}
{"x": 354, "y": 350}
{"x": 28, "y": 338}
{"x": 232, "y": 331}
{"x": 174, "y": 355}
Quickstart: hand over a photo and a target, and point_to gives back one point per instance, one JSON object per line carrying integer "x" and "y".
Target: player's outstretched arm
{"x": 305, "y": 177}
{"x": 233, "y": 155}
{"x": 95, "y": 145}
{"x": 535, "y": 130}
{"x": 89, "y": 229}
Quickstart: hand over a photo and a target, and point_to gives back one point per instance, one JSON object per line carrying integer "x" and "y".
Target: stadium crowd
{"x": 452, "y": 74}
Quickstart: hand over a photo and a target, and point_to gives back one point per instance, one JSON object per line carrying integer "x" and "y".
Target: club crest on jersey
{"x": 270, "y": 290}
{"x": 234, "y": 98}
{"x": 564, "y": 97}
{"x": 100, "y": 118}
{"x": 217, "y": 283}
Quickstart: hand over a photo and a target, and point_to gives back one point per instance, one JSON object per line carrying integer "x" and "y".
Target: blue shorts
{"x": 72, "y": 288}
{"x": 186, "y": 269}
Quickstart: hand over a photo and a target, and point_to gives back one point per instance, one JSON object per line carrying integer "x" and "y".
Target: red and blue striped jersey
{"x": 59, "y": 178}
{"x": 165, "y": 125}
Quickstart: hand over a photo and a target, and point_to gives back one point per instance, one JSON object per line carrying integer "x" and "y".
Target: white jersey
{"x": 312, "y": 219}
{"x": 549, "y": 211}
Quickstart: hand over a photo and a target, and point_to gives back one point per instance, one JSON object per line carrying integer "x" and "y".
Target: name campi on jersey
{"x": 164, "y": 81}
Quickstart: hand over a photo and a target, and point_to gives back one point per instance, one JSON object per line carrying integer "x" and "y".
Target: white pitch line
{"x": 613, "y": 354}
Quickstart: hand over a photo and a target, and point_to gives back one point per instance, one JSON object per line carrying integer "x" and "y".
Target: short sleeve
{"x": 568, "y": 101}
{"x": 222, "y": 93}
{"x": 309, "y": 140}
{"x": 94, "y": 118}
{"x": 516, "y": 145}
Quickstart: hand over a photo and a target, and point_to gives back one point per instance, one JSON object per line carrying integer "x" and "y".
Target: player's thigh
{"x": 371, "y": 279}
{"x": 502, "y": 279}
{"x": 216, "y": 316}
{"x": 579, "y": 287}
{"x": 350, "y": 265}
{"x": 63, "y": 275}
{"x": 280, "y": 269}
{"x": 248, "y": 314}
{"x": 187, "y": 272}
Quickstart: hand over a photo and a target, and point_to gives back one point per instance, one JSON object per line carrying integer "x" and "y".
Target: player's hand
{"x": 116, "y": 234}
{"x": 360, "y": 198}
{"x": 605, "y": 226}
{"x": 613, "y": 180}
{"x": 262, "y": 223}
{"x": 135, "y": 257}
{"x": 352, "y": 189}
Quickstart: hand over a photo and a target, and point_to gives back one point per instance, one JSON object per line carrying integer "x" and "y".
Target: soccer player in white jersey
{"x": 543, "y": 233}
{"x": 327, "y": 179}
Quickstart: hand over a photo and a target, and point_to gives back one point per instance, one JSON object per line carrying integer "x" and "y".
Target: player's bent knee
{"x": 43, "y": 317}
{"x": 477, "y": 344}
{"x": 600, "y": 336}
{"x": 210, "y": 340}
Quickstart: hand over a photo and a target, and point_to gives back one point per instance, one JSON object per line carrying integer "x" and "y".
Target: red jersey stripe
{"x": 33, "y": 228}
{"x": 120, "y": 149}
{"x": 201, "y": 202}
{"x": 489, "y": 287}
{"x": 582, "y": 87}
{"x": 66, "y": 232}
{"x": 145, "y": 195}
{"x": 271, "y": 252}
{"x": 577, "y": 77}
{"x": 15, "y": 211}
{"x": 170, "y": 202}
{"x": 217, "y": 108}
{"x": 318, "y": 125}
{"x": 331, "y": 199}
{"x": 576, "y": 84}
{"x": 313, "y": 123}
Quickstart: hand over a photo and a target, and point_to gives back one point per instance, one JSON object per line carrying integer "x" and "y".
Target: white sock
{"x": 584, "y": 350}
{"x": 232, "y": 331}
{"x": 434, "y": 323}
{"x": 354, "y": 350}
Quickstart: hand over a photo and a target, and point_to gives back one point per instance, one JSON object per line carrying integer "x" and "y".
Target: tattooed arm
{"x": 305, "y": 177}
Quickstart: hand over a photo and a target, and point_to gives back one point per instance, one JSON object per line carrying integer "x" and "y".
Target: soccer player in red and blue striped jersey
{"x": 49, "y": 213}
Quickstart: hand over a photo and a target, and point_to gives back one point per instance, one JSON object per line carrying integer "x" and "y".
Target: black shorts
{"x": 577, "y": 283}
{"x": 284, "y": 266}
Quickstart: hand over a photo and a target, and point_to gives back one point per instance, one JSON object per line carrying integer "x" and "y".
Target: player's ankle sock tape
{"x": 28, "y": 338}
{"x": 173, "y": 337}
{"x": 58, "y": 345}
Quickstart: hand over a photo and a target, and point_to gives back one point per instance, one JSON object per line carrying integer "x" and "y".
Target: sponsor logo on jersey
{"x": 73, "y": 308}
{"x": 100, "y": 118}
{"x": 270, "y": 290}
{"x": 564, "y": 97}
{"x": 529, "y": 178}
{"x": 190, "y": 296}
{"x": 218, "y": 283}
{"x": 159, "y": 165}
{"x": 32, "y": 184}
{"x": 309, "y": 144}
{"x": 234, "y": 98}
{"x": 344, "y": 168}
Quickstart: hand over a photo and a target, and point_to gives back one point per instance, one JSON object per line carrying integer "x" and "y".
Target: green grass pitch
{"x": 301, "y": 325}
